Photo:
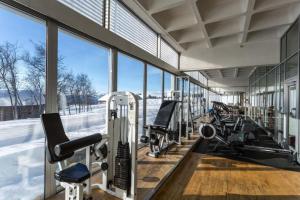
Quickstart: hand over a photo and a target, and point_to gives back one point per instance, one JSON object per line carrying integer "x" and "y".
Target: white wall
{"x": 252, "y": 54}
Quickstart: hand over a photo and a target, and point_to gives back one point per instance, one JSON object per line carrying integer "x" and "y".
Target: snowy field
{"x": 22, "y": 148}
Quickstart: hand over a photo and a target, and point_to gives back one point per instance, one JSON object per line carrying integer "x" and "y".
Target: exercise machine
{"x": 159, "y": 134}
{"x": 183, "y": 88}
{"x": 247, "y": 138}
{"x": 75, "y": 178}
{"x": 120, "y": 178}
{"x": 114, "y": 153}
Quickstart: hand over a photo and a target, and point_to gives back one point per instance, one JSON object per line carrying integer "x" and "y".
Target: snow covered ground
{"x": 22, "y": 148}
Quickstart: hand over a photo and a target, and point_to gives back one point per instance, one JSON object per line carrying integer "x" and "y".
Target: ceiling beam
{"x": 159, "y": 6}
{"x": 236, "y": 72}
{"x": 275, "y": 5}
{"x": 220, "y": 73}
{"x": 252, "y": 71}
{"x": 205, "y": 74}
{"x": 249, "y": 11}
{"x": 201, "y": 24}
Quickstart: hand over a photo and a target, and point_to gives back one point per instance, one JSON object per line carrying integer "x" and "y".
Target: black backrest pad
{"x": 55, "y": 134}
{"x": 165, "y": 113}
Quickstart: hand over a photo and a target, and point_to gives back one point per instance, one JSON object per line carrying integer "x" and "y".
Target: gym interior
{"x": 149, "y": 99}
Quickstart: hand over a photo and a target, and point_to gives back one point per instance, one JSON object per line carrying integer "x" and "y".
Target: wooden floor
{"x": 206, "y": 177}
{"x": 151, "y": 171}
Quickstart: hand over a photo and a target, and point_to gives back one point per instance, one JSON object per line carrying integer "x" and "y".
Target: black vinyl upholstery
{"x": 165, "y": 113}
{"x": 59, "y": 148}
{"x": 74, "y": 174}
{"x": 69, "y": 147}
{"x": 55, "y": 134}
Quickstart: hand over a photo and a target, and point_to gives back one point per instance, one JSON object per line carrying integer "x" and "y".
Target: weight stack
{"x": 183, "y": 129}
{"x": 122, "y": 167}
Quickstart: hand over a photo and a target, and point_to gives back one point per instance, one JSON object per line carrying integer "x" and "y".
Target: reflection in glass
{"x": 291, "y": 67}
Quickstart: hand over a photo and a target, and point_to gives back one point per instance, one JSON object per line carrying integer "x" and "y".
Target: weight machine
{"x": 114, "y": 153}
{"x": 122, "y": 128}
{"x": 183, "y": 89}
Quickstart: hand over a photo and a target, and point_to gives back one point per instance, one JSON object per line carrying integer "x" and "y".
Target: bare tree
{"x": 69, "y": 88}
{"x": 36, "y": 74}
{"x": 9, "y": 74}
{"x": 83, "y": 92}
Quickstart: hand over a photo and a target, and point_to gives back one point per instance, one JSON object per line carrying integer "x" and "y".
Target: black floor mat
{"x": 267, "y": 159}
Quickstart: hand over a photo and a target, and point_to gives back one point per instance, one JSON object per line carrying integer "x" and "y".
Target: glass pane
{"x": 130, "y": 78}
{"x": 293, "y": 121}
{"x": 281, "y": 87}
{"x": 292, "y": 40}
{"x": 82, "y": 85}
{"x": 291, "y": 67}
{"x": 283, "y": 48}
{"x": 154, "y": 92}
{"x": 270, "y": 117}
{"x": 22, "y": 101}
{"x": 168, "y": 85}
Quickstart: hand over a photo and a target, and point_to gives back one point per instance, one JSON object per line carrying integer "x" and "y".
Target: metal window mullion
{"x": 144, "y": 97}
{"x": 51, "y": 97}
{"x": 113, "y": 72}
{"x": 162, "y": 85}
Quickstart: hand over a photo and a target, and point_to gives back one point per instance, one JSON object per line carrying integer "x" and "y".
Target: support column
{"x": 113, "y": 74}
{"x": 162, "y": 85}
{"x": 51, "y": 97}
{"x": 145, "y": 98}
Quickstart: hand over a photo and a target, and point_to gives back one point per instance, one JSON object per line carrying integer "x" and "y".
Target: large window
{"x": 22, "y": 100}
{"x": 283, "y": 49}
{"x": 271, "y": 78}
{"x": 292, "y": 40}
{"x": 130, "y": 78}
{"x": 291, "y": 67}
{"x": 154, "y": 93}
{"x": 82, "y": 84}
{"x": 168, "y": 78}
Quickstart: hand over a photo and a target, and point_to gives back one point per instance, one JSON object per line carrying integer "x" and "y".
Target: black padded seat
{"x": 157, "y": 128}
{"x": 164, "y": 114}
{"x": 74, "y": 174}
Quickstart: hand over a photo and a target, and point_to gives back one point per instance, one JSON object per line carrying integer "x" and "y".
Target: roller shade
{"x": 125, "y": 24}
{"x": 168, "y": 54}
{"x": 92, "y": 9}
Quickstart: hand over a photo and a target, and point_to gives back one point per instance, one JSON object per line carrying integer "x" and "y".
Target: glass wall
{"x": 82, "y": 84}
{"x": 22, "y": 100}
{"x": 154, "y": 92}
{"x": 168, "y": 78}
{"x": 131, "y": 78}
{"x": 273, "y": 92}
